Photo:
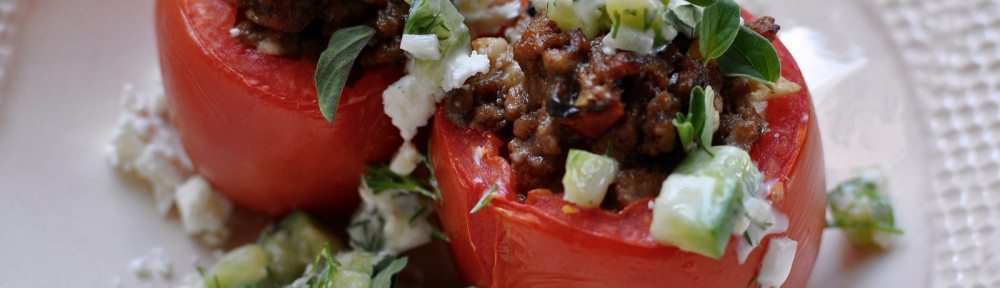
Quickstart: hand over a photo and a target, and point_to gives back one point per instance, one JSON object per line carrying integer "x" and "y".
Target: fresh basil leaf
{"x": 751, "y": 56}
{"x": 703, "y": 3}
{"x": 483, "y": 202}
{"x": 685, "y": 18}
{"x": 386, "y": 275}
{"x": 719, "y": 26}
{"x": 335, "y": 65}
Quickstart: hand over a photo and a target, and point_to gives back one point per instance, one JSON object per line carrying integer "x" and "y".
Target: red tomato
{"x": 545, "y": 241}
{"x": 250, "y": 121}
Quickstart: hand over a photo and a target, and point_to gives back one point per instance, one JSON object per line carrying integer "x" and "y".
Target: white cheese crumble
{"x": 406, "y": 159}
{"x": 423, "y": 46}
{"x": 145, "y": 144}
{"x": 203, "y": 212}
{"x": 485, "y": 17}
{"x": 460, "y": 67}
{"x": 400, "y": 217}
{"x": 155, "y": 262}
{"x": 410, "y": 103}
{"x": 777, "y": 263}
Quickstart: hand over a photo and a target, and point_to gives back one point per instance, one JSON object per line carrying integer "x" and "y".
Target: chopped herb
{"x": 381, "y": 178}
{"x": 385, "y": 273}
{"x": 421, "y": 212}
{"x": 487, "y": 198}
{"x": 697, "y": 125}
{"x": 703, "y": 3}
{"x": 437, "y": 233}
{"x": 685, "y": 18}
{"x": 746, "y": 235}
{"x": 751, "y": 56}
{"x": 335, "y": 65}
{"x": 432, "y": 180}
{"x": 719, "y": 26}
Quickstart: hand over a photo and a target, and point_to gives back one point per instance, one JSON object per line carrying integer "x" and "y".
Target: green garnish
{"x": 718, "y": 29}
{"x": 862, "y": 209}
{"x": 685, "y": 18}
{"x": 335, "y": 64}
{"x": 437, "y": 233}
{"x": 751, "y": 56}
{"x": 440, "y": 18}
{"x": 381, "y": 178}
{"x": 386, "y": 270}
{"x": 432, "y": 179}
{"x": 487, "y": 198}
{"x": 697, "y": 125}
{"x": 703, "y": 3}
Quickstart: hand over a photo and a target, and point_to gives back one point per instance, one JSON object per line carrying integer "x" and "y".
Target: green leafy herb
{"x": 719, "y": 26}
{"x": 437, "y": 233}
{"x": 335, "y": 65}
{"x": 487, "y": 198}
{"x": 746, "y": 235}
{"x": 751, "y": 56}
{"x": 703, "y": 3}
{"x": 862, "y": 209}
{"x": 381, "y": 178}
{"x": 685, "y": 18}
{"x": 697, "y": 125}
{"x": 386, "y": 273}
{"x": 432, "y": 180}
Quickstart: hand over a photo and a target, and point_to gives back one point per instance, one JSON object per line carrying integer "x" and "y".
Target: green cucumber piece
{"x": 700, "y": 201}
{"x": 293, "y": 244}
{"x": 587, "y": 178}
{"x": 240, "y": 267}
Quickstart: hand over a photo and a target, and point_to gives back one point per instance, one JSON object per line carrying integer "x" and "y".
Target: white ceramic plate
{"x": 912, "y": 86}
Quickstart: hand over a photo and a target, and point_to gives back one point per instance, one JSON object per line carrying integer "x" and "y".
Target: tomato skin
{"x": 545, "y": 241}
{"x": 251, "y": 124}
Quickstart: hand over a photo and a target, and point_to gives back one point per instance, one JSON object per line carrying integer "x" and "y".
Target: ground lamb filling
{"x": 552, "y": 90}
{"x": 300, "y": 29}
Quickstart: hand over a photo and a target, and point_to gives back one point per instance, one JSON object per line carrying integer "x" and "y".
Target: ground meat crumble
{"x": 300, "y": 29}
{"x": 554, "y": 90}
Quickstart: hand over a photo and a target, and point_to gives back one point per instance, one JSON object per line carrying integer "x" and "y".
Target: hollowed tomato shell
{"x": 250, "y": 121}
{"x": 545, "y": 241}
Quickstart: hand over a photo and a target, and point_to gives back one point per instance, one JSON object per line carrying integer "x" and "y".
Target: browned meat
{"x": 301, "y": 28}
{"x": 765, "y": 27}
{"x": 566, "y": 93}
{"x": 638, "y": 183}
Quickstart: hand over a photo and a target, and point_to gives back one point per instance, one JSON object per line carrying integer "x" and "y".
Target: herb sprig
{"x": 335, "y": 64}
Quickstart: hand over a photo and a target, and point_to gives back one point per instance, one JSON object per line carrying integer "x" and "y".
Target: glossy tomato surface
{"x": 542, "y": 240}
{"x": 250, "y": 121}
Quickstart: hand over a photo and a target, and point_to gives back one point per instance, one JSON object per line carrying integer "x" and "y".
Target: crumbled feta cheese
{"x": 203, "y": 212}
{"x": 627, "y": 39}
{"x": 460, "y": 67}
{"x": 406, "y": 159}
{"x": 484, "y": 17}
{"x": 394, "y": 215}
{"x": 144, "y": 144}
{"x": 155, "y": 262}
{"x": 421, "y": 46}
{"x": 410, "y": 103}
{"x": 777, "y": 263}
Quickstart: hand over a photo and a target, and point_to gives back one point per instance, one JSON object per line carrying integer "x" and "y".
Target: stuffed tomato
{"x": 249, "y": 121}
{"x": 510, "y": 227}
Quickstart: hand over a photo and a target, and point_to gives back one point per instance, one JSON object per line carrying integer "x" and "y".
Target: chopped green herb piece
{"x": 487, "y": 198}
{"x": 386, "y": 276}
{"x": 335, "y": 65}
{"x": 751, "y": 56}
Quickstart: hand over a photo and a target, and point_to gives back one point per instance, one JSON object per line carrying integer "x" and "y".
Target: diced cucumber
{"x": 586, "y": 15}
{"x": 636, "y": 14}
{"x": 700, "y": 201}
{"x": 294, "y": 244}
{"x": 861, "y": 207}
{"x": 587, "y": 178}
{"x": 240, "y": 267}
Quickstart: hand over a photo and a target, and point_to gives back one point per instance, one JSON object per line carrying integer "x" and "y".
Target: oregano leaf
{"x": 335, "y": 66}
